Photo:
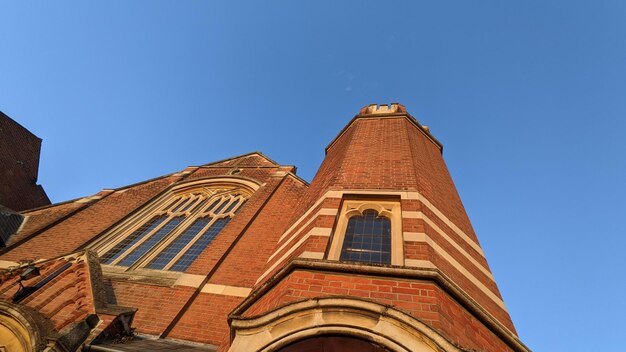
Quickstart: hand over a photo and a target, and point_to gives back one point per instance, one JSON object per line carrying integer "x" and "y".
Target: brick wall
{"x": 205, "y": 321}
{"x": 156, "y": 305}
{"x": 423, "y": 300}
{"x": 19, "y": 166}
{"x": 64, "y": 300}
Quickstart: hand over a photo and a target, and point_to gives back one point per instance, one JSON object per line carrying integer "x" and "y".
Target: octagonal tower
{"x": 380, "y": 250}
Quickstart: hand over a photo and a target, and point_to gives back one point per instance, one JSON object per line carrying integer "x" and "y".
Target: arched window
{"x": 172, "y": 232}
{"x": 368, "y": 231}
{"x": 367, "y": 239}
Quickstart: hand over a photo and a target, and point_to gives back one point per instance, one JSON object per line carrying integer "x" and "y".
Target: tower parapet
{"x": 392, "y": 108}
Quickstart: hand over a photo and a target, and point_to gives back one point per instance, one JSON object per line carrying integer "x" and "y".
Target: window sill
{"x": 140, "y": 275}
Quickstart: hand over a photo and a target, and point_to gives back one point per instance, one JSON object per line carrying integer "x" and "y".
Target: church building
{"x": 376, "y": 254}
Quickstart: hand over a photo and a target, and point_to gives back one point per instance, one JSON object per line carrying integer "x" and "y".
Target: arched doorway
{"x": 333, "y": 343}
{"x": 362, "y": 325}
{"x": 18, "y": 330}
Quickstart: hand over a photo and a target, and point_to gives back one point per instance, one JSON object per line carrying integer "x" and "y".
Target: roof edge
{"x": 242, "y": 156}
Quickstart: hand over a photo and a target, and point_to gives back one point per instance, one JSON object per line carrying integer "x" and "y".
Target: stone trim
{"x": 380, "y": 324}
{"x": 316, "y": 231}
{"x": 428, "y": 264}
{"x": 6, "y": 264}
{"x": 424, "y": 238}
{"x": 140, "y": 275}
{"x": 451, "y": 225}
{"x": 321, "y": 212}
{"x": 388, "y": 209}
{"x": 194, "y": 194}
{"x": 19, "y": 330}
{"x": 216, "y": 181}
{"x": 189, "y": 280}
{"x": 192, "y": 280}
{"x": 434, "y": 275}
{"x": 226, "y": 290}
{"x": 419, "y": 263}
{"x": 311, "y": 255}
{"x": 410, "y": 195}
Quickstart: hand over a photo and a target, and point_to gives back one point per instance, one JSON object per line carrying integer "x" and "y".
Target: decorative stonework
{"x": 18, "y": 330}
{"x": 383, "y": 109}
{"x": 388, "y": 209}
{"x": 184, "y": 215}
{"x": 367, "y": 320}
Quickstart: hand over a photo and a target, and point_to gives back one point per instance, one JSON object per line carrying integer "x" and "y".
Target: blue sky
{"x": 528, "y": 98}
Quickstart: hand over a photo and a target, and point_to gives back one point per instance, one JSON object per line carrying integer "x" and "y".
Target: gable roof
{"x": 255, "y": 158}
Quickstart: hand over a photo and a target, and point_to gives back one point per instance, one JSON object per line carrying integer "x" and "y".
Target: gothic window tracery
{"x": 173, "y": 231}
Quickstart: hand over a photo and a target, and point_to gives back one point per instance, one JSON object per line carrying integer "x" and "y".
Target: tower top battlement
{"x": 375, "y": 109}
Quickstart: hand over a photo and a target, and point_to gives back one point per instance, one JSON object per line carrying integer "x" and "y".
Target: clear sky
{"x": 528, "y": 98}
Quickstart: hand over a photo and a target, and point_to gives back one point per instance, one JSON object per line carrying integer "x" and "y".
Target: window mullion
{"x": 178, "y": 222}
{"x": 105, "y": 249}
{"x": 170, "y": 216}
{"x": 113, "y": 241}
{"x": 140, "y": 241}
{"x": 225, "y": 199}
{"x": 161, "y": 245}
{"x": 175, "y": 205}
{"x": 191, "y": 243}
{"x": 208, "y": 212}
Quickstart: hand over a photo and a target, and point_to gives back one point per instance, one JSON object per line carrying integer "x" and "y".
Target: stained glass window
{"x": 185, "y": 261}
{"x": 178, "y": 231}
{"x": 146, "y": 245}
{"x": 367, "y": 239}
{"x": 178, "y": 244}
{"x": 129, "y": 241}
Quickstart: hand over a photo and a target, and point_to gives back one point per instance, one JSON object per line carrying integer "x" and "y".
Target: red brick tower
{"x": 380, "y": 255}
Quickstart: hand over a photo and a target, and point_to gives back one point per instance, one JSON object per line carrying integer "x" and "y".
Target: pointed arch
{"x": 171, "y": 231}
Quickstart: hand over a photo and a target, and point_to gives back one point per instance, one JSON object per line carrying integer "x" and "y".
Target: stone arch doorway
{"x": 333, "y": 343}
{"x": 18, "y": 330}
{"x": 309, "y": 323}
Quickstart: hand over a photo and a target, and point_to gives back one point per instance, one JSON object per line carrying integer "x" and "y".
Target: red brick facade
{"x": 275, "y": 255}
{"x": 19, "y": 166}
